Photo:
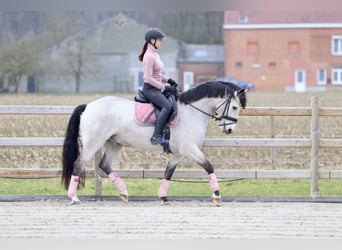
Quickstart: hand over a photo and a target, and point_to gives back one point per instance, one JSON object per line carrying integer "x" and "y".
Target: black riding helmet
{"x": 154, "y": 33}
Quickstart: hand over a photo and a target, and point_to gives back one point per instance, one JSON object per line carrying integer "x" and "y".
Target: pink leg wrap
{"x": 119, "y": 183}
{"x": 164, "y": 186}
{"x": 213, "y": 182}
{"x": 72, "y": 191}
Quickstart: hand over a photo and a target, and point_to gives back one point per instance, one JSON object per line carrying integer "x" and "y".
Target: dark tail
{"x": 71, "y": 148}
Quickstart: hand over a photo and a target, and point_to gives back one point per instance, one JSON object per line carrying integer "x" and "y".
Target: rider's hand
{"x": 172, "y": 82}
{"x": 171, "y": 89}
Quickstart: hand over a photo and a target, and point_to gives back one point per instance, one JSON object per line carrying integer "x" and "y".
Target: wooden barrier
{"x": 314, "y": 142}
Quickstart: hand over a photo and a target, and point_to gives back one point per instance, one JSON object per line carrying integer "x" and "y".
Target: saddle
{"x": 146, "y": 114}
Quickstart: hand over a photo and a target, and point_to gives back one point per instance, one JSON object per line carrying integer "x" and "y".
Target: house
{"x": 198, "y": 63}
{"x": 297, "y": 50}
{"x": 109, "y": 55}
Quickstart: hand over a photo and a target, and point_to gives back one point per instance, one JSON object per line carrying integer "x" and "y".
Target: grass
{"x": 198, "y": 187}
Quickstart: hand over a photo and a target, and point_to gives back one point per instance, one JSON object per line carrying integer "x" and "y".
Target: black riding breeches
{"x": 156, "y": 97}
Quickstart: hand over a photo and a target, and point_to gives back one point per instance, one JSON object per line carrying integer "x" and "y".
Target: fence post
{"x": 272, "y": 136}
{"x": 314, "y": 147}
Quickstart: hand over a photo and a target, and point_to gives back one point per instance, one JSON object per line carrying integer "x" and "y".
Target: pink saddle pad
{"x": 144, "y": 114}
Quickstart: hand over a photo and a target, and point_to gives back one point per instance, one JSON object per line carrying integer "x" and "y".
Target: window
{"x": 140, "y": 79}
{"x": 272, "y": 65}
{"x": 336, "y": 45}
{"x": 337, "y": 75}
{"x": 188, "y": 79}
{"x": 300, "y": 81}
{"x": 300, "y": 74}
{"x": 293, "y": 47}
{"x": 120, "y": 21}
{"x": 201, "y": 53}
{"x": 321, "y": 76}
{"x": 252, "y": 47}
{"x": 238, "y": 65}
{"x": 243, "y": 19}
{"x": 137, "y": 77}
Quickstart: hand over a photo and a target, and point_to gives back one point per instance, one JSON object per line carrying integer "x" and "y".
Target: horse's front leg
{"x": 164, "y": 185}
{"x": 196, "y": 154}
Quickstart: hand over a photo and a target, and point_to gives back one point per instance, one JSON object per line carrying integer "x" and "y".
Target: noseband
{"x": 225, "y": 112}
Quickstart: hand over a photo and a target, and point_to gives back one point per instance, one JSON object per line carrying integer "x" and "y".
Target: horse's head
{"x": 226, "y": 101}
{"x": 228, "y": 111}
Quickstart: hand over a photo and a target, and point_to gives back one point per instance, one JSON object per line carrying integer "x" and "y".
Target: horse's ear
{"x": 239, "y": 92}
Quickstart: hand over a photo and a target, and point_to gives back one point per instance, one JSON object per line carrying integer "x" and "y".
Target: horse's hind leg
{"x": 111, "y": 152}
{"x": 89, "y": 148}
{"x": 164, "y": 185}
{"x": 199, "y": 157}
{"x": 78, "y": 173}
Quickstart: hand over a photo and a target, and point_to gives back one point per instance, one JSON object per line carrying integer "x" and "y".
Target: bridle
{"x": 224, "y": 116}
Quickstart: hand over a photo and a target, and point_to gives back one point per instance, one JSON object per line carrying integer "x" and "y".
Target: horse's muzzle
{"x": 229, "y": 131}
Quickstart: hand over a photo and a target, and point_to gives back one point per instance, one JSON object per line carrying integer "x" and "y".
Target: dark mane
{"x": 211, "y": 89}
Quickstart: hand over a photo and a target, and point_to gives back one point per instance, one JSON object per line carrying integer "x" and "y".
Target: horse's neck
{"x": 207, "y": 105}
{"x": 202, "y": 110}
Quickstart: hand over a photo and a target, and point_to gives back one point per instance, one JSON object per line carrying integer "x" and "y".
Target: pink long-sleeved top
{"x": 153, "y": 68}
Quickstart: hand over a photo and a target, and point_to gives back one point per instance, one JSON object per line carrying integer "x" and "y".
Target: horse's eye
{"x": 235, "y": 108}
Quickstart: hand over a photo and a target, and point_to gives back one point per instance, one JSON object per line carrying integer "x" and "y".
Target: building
{"x": 197, "y": 63}
{"x": 104, "y": 58}
{"x": 109, "y": 58}
{"x": 284, "y": 50}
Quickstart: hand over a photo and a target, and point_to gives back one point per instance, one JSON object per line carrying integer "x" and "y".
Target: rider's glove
{"x": 172, "y": 82}
{"x": 171, "y": 89}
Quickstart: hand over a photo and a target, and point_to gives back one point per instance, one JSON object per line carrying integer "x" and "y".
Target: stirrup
{"x": 156, "y": 139}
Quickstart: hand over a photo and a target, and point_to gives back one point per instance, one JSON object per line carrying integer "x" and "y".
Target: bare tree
{"x": 59, "y": 26}
{"x": 79, "y": 61}
{"x": 191, "y": 27}
{"x": 67, "y": 33}
{"x": 18, "y": 60}
{"x": 75, "y": 59}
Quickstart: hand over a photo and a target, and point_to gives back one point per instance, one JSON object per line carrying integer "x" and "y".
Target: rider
{"x": 154, "y": 80}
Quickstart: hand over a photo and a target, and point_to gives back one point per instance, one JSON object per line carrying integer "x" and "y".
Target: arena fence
{"x": 314, "y": 142}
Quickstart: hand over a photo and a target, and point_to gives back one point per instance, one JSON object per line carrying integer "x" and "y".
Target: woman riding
{"x": 154, "y": 80}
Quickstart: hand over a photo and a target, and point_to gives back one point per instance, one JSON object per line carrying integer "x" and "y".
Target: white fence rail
{"x": 314, "y": 142}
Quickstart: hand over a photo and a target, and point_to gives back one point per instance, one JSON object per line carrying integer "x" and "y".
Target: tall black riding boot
{"x": 159, "y": 126}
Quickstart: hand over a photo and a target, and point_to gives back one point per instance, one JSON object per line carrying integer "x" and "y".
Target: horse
{"x": 108, "y": 123}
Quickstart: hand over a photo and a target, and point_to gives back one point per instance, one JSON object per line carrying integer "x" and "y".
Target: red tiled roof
{"x": 271, "y": 17}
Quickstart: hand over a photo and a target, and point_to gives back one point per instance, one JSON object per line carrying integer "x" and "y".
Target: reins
{"x": 212, "y": 116}
{"x": 215, "y": 116}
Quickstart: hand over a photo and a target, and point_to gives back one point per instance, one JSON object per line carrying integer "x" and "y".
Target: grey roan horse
{"x": 109, "y": 123}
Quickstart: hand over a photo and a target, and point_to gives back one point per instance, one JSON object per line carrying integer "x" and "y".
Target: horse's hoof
{"x": 75, "y": 201}
{"x": 217, "y": 201}
{"x": 124, "y": 196}
{"x": 164, "y": 201}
